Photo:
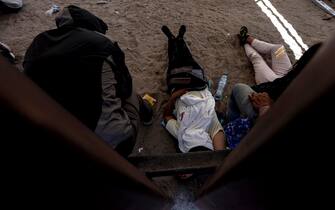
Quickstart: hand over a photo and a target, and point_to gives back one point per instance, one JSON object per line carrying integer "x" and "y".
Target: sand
{"x": 211, "y": 28}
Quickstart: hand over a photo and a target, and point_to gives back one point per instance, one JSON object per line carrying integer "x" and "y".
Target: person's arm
{"x": 261, "y": 102}
{"x": 168, "y": 111}
{"x": 217, "y": 134}
{"x": 171, "y": 124}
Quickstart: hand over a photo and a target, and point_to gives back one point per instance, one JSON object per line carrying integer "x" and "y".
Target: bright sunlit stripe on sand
{"x": 290, "y": 28}
{"x": 295, "y": 47}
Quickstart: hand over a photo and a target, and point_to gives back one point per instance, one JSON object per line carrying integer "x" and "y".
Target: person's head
{"x": 77, "y": 17}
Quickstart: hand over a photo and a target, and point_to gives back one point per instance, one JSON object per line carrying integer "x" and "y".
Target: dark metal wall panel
{"x": 286, "y": 160}
{"x": 52, "y": 161}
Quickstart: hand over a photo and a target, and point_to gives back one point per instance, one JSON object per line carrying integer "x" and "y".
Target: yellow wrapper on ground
{"x": 150, "y": 99}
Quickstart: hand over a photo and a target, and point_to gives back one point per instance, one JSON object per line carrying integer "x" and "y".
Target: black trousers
{"x": 180, "y": 55}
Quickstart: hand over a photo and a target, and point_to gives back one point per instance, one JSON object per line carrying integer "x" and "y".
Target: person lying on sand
{"x": 254, "y": 101}
{"x": 254, "y": 50}
{"x": 247, "y": 103}
{"x": 10, "y": 5}
{"x": 85, "y": 72}
{"x": 194, "y": 124}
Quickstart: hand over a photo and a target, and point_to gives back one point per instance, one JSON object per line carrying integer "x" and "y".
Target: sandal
{"x": 243, "y": 34}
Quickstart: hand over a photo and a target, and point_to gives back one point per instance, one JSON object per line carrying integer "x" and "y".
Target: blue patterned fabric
{"x": 236, "y": 130}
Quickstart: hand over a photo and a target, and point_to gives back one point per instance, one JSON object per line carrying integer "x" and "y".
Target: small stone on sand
{"x": 102, "y": 2}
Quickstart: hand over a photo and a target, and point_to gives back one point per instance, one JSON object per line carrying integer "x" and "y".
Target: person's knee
{"x": 219, "y": 141}
{"x": 278, "y": 47}
{"x": 241, "y": 93}
{"x": 239, "y": 88}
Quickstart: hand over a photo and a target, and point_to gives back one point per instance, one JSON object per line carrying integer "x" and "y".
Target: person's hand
{"x": 260, "y": 100}
{"x": 168, "y": 111}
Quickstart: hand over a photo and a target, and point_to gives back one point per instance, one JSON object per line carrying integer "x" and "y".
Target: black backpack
{"x": 183, "y": 71}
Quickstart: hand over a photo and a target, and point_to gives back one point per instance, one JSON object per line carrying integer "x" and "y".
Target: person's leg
{"x": 281, "y": 63}
{"x": 219, "y": 141}
{"x": 263, "y": 47}
{"x": 216, "y": 133}
{"x": 233, "y": 111}
{"x": 119, "y": 120}
{"x": 263, "y": 73}
{"x": 241, "y": 93}
{"x": 132, "y": 108}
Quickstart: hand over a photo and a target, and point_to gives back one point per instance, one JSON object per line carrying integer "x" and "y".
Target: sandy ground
{"x": 211, "y": 28}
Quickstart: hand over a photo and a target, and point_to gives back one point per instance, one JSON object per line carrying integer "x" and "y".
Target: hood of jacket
{"x": 73, "y": 16}
{"x": 191, "y": 99}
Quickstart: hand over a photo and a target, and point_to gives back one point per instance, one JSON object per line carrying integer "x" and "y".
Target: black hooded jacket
{"x": 66, "y": 62}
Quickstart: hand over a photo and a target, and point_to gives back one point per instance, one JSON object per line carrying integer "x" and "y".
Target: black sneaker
{"x": 243, "y": 35}
{"x": 146, "y": 112}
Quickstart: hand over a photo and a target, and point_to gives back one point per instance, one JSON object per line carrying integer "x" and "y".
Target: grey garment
{"x": 64, "y": 18}
{"x": 239, "y": 104}
{"x": 119, "y": 120}
{"x": 13, "y": 4}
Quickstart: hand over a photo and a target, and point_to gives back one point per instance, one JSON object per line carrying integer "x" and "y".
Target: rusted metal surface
{"x": 284, "y": 162}
{"x": 276, "y": 165}
{"x": 172, "y": 164}
{"x": 47, "y": 119}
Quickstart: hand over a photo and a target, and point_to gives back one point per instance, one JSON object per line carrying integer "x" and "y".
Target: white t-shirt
{"x": 196, "y": 123}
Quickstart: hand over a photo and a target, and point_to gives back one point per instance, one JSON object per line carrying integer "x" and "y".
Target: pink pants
{"x": 281, "y": 63}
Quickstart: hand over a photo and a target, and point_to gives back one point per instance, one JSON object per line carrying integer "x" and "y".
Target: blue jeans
{"x": 239, "y": 104}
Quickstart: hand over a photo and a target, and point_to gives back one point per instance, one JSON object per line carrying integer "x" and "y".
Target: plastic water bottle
{"x": 222, "y": 84}
{"x": 54, "y": 9}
